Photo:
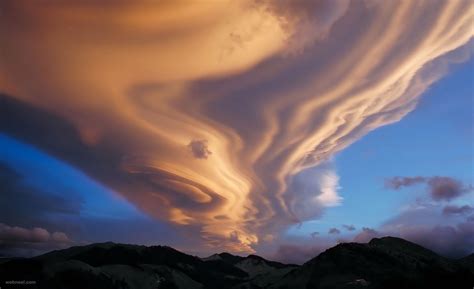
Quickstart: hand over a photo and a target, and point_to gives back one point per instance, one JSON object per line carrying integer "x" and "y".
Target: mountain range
{"x": 384, "y": 263}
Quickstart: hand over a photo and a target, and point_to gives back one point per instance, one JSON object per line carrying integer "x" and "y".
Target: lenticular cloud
{"x": 275, "y": 92}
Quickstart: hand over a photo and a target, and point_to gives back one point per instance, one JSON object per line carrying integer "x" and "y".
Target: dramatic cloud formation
{"x": 440, "y": 188}
{"x": 128, "y": 91}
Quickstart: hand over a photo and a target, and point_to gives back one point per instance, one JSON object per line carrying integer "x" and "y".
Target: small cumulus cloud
{"x": 334, "y": 231}
{"x": 397, "y": 183}
{"x": 349, "y": 227}
{"x": 366, "y": 235}
{"x": 314, "y": 234}
{"x": 60, "y": 237}
{"x": 199, "y": 149}
{"x": 445, "y": 188}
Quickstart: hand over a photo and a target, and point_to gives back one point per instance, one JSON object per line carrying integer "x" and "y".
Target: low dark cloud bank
{"x": 451, "y": 241}
{"x": 22, "y": 206}
{"x": 19, "y": 241}
{"x": 34, "y": 221}
{"x": 426, "y": 223}
{"x": 458, "y": 210}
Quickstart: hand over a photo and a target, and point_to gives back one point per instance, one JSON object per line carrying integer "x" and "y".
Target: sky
{"x": 269, "y": 127}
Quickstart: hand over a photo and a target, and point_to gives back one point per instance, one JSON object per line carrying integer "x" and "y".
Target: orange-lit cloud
{"x": 216, "y": 110}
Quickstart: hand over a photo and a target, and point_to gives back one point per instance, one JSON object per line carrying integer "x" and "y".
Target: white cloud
{"x": 314, "y": 189}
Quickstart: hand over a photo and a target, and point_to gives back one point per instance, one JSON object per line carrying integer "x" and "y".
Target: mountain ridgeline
{"x": 382, "y": 263}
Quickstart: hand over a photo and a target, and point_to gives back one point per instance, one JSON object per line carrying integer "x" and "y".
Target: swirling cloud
{"x": 274, "y": 90}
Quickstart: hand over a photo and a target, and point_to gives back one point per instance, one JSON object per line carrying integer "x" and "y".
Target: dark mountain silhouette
{"x": 382, "y": 263}
{"x": 468, "y": 261}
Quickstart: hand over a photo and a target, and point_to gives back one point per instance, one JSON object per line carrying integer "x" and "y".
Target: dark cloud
{"x": 24, "y": 205}
{"x": 458, "y": 210}
{"x": 425, "y": 225}
{"x": 19, "y": 241}
{"x": 447, "y": 240}
{"x": 314, "y": 234}
{"x": 451, "y": 241}
{"x": 439, "y": 188}
{"x": 349, "y": 227}
{"x": 58, "y": 209}
{"x": 199, "y": 149}
{"x": 445, "y": 188}
{"x": 397, "y": 183}
{"x": 334, "y": 231}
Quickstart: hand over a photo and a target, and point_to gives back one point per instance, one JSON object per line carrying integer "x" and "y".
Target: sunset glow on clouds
{"x": 223, "y": 117}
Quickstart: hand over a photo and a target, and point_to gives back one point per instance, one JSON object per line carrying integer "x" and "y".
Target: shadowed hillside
{"x": 382, "y": 263}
